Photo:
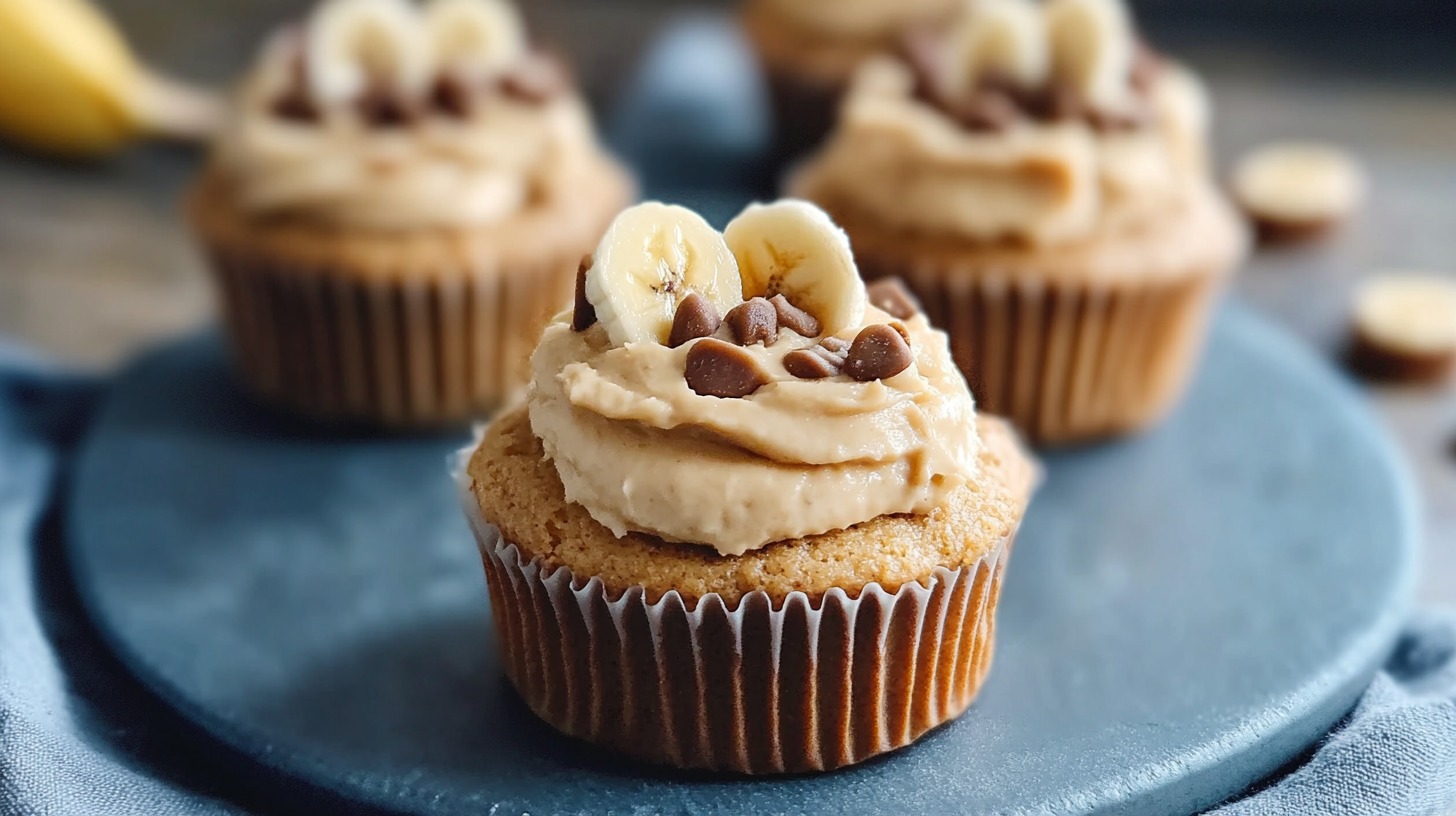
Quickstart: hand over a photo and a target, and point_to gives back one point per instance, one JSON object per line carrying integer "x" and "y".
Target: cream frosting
{"x": 641, "y": 451}
{"x": 439, "y": 171}
{"x": 905, "y": 162}
{"x": 861, "y": 19}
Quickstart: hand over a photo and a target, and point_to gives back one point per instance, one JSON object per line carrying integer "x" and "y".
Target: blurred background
{"x": 95, "y": 263}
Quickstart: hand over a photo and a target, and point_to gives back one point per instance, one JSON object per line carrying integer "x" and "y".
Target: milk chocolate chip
{"x": 718, "y": 369}
{"x": 585, "y": 315}
{"x": 837, "y": 345}
{"x": 452, "y": 96}
{"x": 880, "y": 351}
{"x": 384, "y": 107}
{"x": 890, "y": 295}
{"x": 755, "y": 321}
{"x": 794, "y": 318}
{"x": 696, "y": 317}
{"x": 814, "y": 363}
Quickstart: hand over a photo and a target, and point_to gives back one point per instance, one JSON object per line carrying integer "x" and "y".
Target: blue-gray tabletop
{"x": 1185, "y": 611}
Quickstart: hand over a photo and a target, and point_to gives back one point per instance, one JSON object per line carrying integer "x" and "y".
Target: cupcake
{"x": 399, "y": 204}
{"x": 1038, "y": 177}
{"x": 745, "y": 520}
{"x": 809, "y": 49}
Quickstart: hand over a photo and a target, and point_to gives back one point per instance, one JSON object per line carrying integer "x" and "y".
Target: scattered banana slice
{"x": 475, "y": 37}
{"x": 1405, "y": 327}
{"x": 1093, "y": 49}
{"x": 70, "y": 85}
{"x": 352, "y": 43}
{"x": 1296, "y": 188}
{"x": 651, "y": 257}
{"x": 1004, "y": 38}
{"x": 793, "y": 248}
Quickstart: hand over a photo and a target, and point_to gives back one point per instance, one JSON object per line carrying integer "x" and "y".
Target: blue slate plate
{"x": 1186, "y": 611}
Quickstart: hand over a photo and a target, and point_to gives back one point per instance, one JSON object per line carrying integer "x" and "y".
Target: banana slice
{"x": 792, "y": 248}
{"x": 353, "y": 43}
{"x": 651, "y": 257}
{"x": 478, "y": 38}
{"x": 1093, "y": 49}
{"x": 1002, "y": 38}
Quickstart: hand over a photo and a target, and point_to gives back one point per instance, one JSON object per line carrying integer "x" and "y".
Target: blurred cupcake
{"x": 810, "y": 48}
{"x": 745, "y": 521}
{"x": 1038, "y": 178}
{"x": 400, "y": 203}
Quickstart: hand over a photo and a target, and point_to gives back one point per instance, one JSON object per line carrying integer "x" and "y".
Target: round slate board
{"x": 1186, "y": 611}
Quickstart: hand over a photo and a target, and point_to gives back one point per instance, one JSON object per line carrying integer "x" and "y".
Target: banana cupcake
{"x": 400, "y": 202}
{"x": 809, "y": 49}
{"x": 746, "y": 520}
{"x": 1038, "y": 177}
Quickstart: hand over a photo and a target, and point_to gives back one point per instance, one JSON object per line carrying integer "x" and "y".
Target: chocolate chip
{"x": 924, "y": 51}
{"x": 384, "y": 107}
{"x": 878, "y": 352}
{"x": 696, "y": 317}
{"x": 890, "y": 295}
{"x": 718, "y": 369}
{"x": 536, "y": 79}
{"x": 987, "y": 109}
{"x": 452, "y": 96}
{"x": 838, "y": 345}
{"x": 813, "y": 363}
{"x": 794, "y": 318}
{"x": 585, "y": 314}
{"x": 756, "y": 321}
{"x": 296, "y": 102}
{"x": 296, "y": 105}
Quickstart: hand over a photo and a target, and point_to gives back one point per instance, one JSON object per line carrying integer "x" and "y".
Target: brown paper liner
{"x": 1067, "y": 360}
{"x": 760, "y": 687}
{"x": 394, "y": 351}
{"x": 414, "y": 329}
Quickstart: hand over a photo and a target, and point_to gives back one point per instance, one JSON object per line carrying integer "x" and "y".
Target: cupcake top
{"x": 391, "y": 115}
{"x": 1035, "y": 122}
{"x": 860, "y": 19}
{"x": 735, "y": 389}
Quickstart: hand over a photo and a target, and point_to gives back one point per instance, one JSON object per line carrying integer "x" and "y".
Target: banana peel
{"x": 70, "y": 85}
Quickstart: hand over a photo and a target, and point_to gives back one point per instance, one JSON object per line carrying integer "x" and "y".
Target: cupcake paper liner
{"x": 762, "y": 686}
{"x": 1067, "y": 361}
{"x": 399, "y": 350}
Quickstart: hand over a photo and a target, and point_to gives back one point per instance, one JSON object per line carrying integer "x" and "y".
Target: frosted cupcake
{"x": 401, "y": 201}
{"x": 1038, "y": 177}
{"x": 810, "y": 48}
{"x": 746, "y": 520}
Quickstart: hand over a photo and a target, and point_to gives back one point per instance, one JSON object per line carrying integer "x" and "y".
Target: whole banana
{"x": 70, "y": 85}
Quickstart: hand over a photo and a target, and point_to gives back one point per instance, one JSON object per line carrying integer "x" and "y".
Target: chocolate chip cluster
{"x": 535, "y": 79}
{"x": 996, "y": 103}
{"x": 718, "y": 368}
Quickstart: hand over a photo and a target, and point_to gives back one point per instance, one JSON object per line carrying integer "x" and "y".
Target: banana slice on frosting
{"x": 652, "y": 256}
{"x": 477, "y": 38}
{"x": 353, "y": 43}
{"x": 1001, "y": 38}
{"x": 1093, "y": 50}
{"x": 792, "y": 248}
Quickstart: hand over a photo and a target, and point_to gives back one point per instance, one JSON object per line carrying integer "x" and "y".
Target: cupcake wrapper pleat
{"x": 406, "y": 350}
{"x": 1068, "y": 361}
{"x": 755, "y": 687}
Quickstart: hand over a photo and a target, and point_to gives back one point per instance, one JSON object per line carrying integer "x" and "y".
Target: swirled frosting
{"x": 641, "y": 451}
{"x": 500, "y": 157}
{"x": 902, "y": 161}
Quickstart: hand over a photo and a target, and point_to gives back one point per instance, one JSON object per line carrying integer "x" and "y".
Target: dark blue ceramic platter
{"x": 1186, "y": 611}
